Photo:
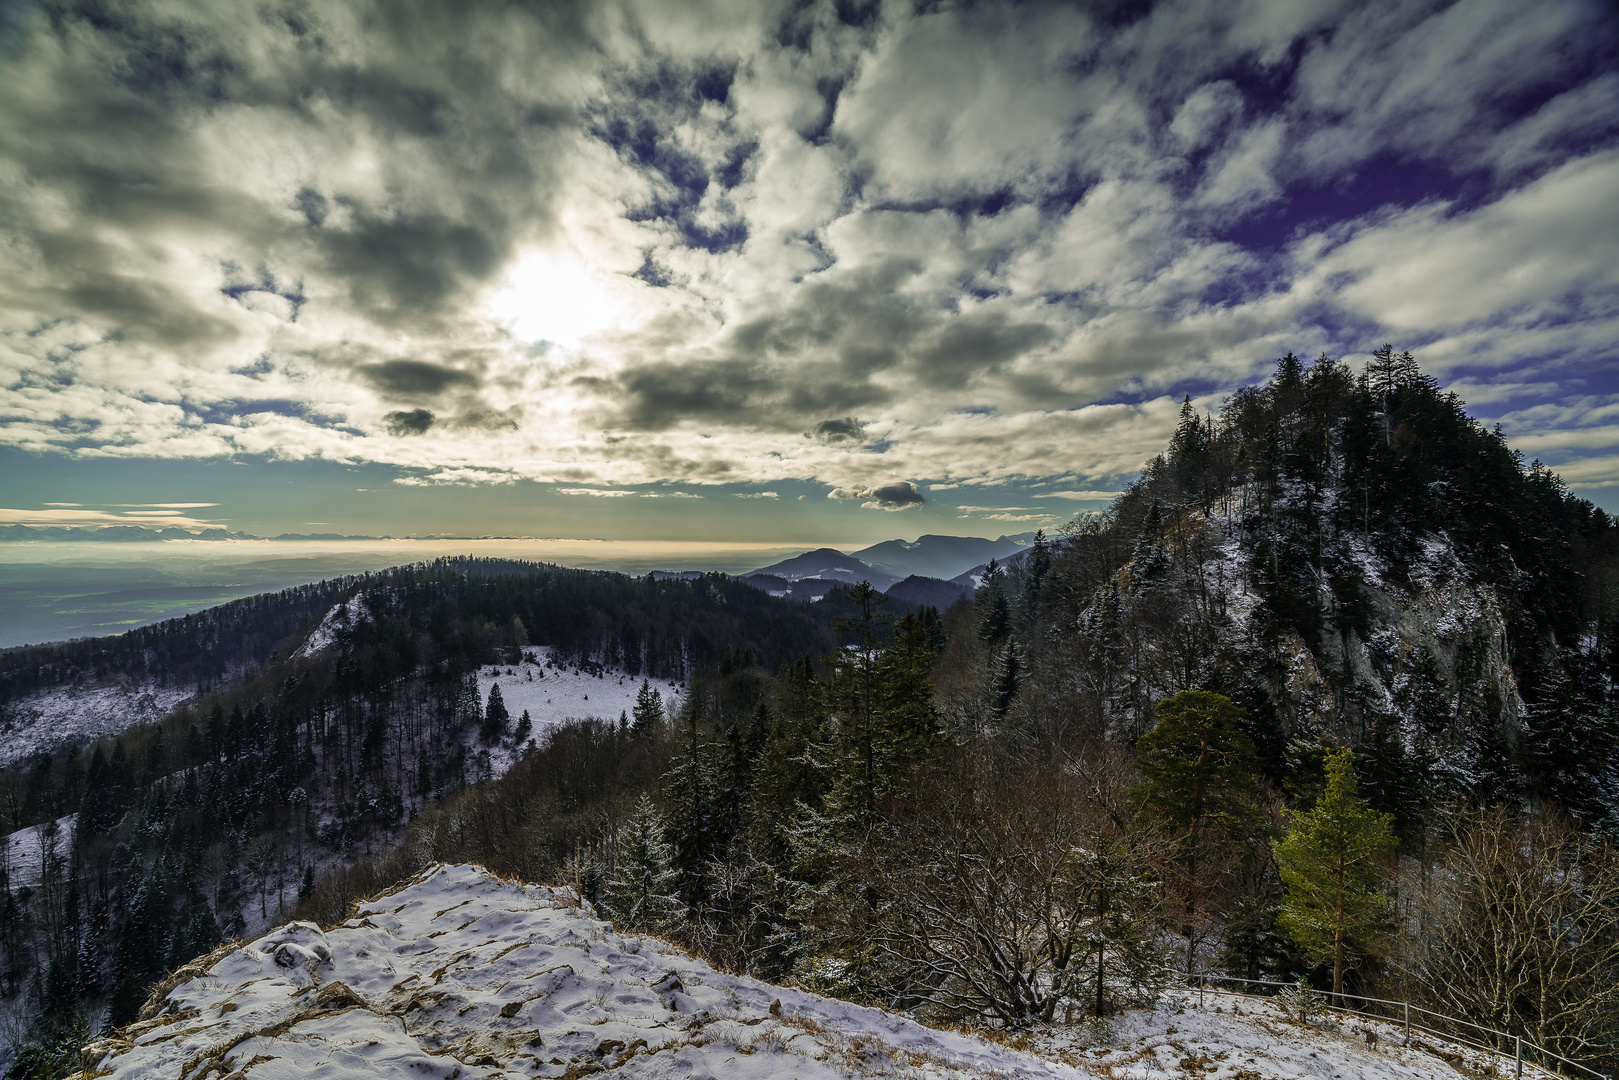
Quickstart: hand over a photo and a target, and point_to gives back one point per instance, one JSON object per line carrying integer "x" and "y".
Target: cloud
{"x": 156, "y": 516}
{"x": 413, "y": 422}
{"x": 458, "y": 477}
{"x": 413, "y": 378}
{"x": 841, "y": 430}
{"x": 975, "y": 245}
{"x": 898, "y": 495}
{"x": 757, "y": 495}
{"x": 599, "y": 493}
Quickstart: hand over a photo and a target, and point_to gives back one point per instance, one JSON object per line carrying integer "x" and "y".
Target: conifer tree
{"x": 995, "y": 619}
{"x": 1571, "y": 750}
{"x": 648, "y": 715}
{"x": 1198, "y": 770}
{"x": 525, "y": 728}
{"x": 1005, "y": 677}
{"x": 641, "y": 891}
{"x": 908, "y": 721}
{"x": 855, "y": 689}
{"x": 1329, "y": 861}
{"x": 689, "y": 785}
{"x": 495, "y": 716}
{"x": 1118, "y": 902}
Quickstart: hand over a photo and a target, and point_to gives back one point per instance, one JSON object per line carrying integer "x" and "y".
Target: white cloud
{"x": 657, "y": 244}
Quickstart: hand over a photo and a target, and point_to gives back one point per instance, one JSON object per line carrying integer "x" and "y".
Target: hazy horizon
{"x": 56, "y": 591}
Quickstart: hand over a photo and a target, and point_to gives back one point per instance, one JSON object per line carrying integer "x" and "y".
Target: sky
{"x": 760, "y": 271}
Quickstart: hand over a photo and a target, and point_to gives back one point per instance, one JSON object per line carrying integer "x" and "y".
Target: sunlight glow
{"x": 547, "y": 298}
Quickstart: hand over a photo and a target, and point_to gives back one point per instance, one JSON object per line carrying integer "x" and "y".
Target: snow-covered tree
{"x": 641, "y": 891}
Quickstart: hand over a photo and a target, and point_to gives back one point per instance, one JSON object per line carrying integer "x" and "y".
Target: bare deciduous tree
{"x": 1010, "y": 893}
{"x": 1523, "y": 933}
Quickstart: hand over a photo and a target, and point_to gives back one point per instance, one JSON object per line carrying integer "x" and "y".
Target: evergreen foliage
{"x": 1331, "y": 861}
{"x": 641, "y": 894}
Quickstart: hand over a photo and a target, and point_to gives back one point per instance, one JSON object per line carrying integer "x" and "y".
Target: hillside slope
{"x": 462, "y": 974}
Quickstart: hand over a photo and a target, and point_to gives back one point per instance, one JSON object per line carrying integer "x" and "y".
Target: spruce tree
{"x": 495, "y": 716}
{"x": 1005, "y": 678}
{"x": 641, "y": 892}
{"x": 854, "y": 693}
{"x": 1330, "y": 862}
{"x": 647, "y": 717}
{"x": 1119, "y": 899}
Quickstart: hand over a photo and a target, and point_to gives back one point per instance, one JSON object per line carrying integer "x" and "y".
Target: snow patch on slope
{"x": 52, "y": 720}
{"x": 461, "y": 974}
{"x": 342, "y": 617}
{"x": 1232, "y": 1037}
{"x": 24, "y": 851}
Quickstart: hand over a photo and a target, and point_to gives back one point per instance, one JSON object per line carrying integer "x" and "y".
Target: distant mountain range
{"x": 931, "y": 569}
{"x": 939, "y": 556}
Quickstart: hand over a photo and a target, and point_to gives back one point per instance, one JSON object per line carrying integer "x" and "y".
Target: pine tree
{"x": 641, "y": 892}
{"x": 468, "y": 710}
{"x": 854, "y": 694}
{"x": 525, "y": 727}
{"x": 1034, "y": 577}
{"x": 995, "y": 618}
{"x": 1149, "y": 560}
{"x": 1329, "y": 861}
{"x": 647, "y": 717}
{"x": 1571, "y": 750}
{"x": 495, "y": 716}
{"x": 690, "y": 786}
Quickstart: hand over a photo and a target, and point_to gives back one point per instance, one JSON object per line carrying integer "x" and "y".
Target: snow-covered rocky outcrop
{"x": 460, "y": 974}
{"x": 340, "y": 618}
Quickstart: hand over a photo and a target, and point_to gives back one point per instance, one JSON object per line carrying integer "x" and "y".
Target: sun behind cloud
{"x": 554, "y": 298}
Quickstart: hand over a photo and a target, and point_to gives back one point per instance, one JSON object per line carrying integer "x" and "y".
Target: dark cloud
{"x": 899, "y": 495}
{"x": 413, "y": 422}
{"x": 841, "y": 430}
{"x": 414, "y": 378}
{"x": 413, "y": 264}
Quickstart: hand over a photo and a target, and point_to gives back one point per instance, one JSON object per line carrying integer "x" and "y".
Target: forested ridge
{"x": 1328, "y": 692}
{"x": 192, "y": 829}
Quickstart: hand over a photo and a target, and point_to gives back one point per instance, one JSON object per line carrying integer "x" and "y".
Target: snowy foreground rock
{"x": 460, "y": 974}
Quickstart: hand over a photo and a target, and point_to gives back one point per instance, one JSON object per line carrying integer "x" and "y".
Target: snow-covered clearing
{"x": 460, "y": 974}
{"x": 553, "y": 695}
{"x": 76, "y": 716}
{"x": 23, "y": 848}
